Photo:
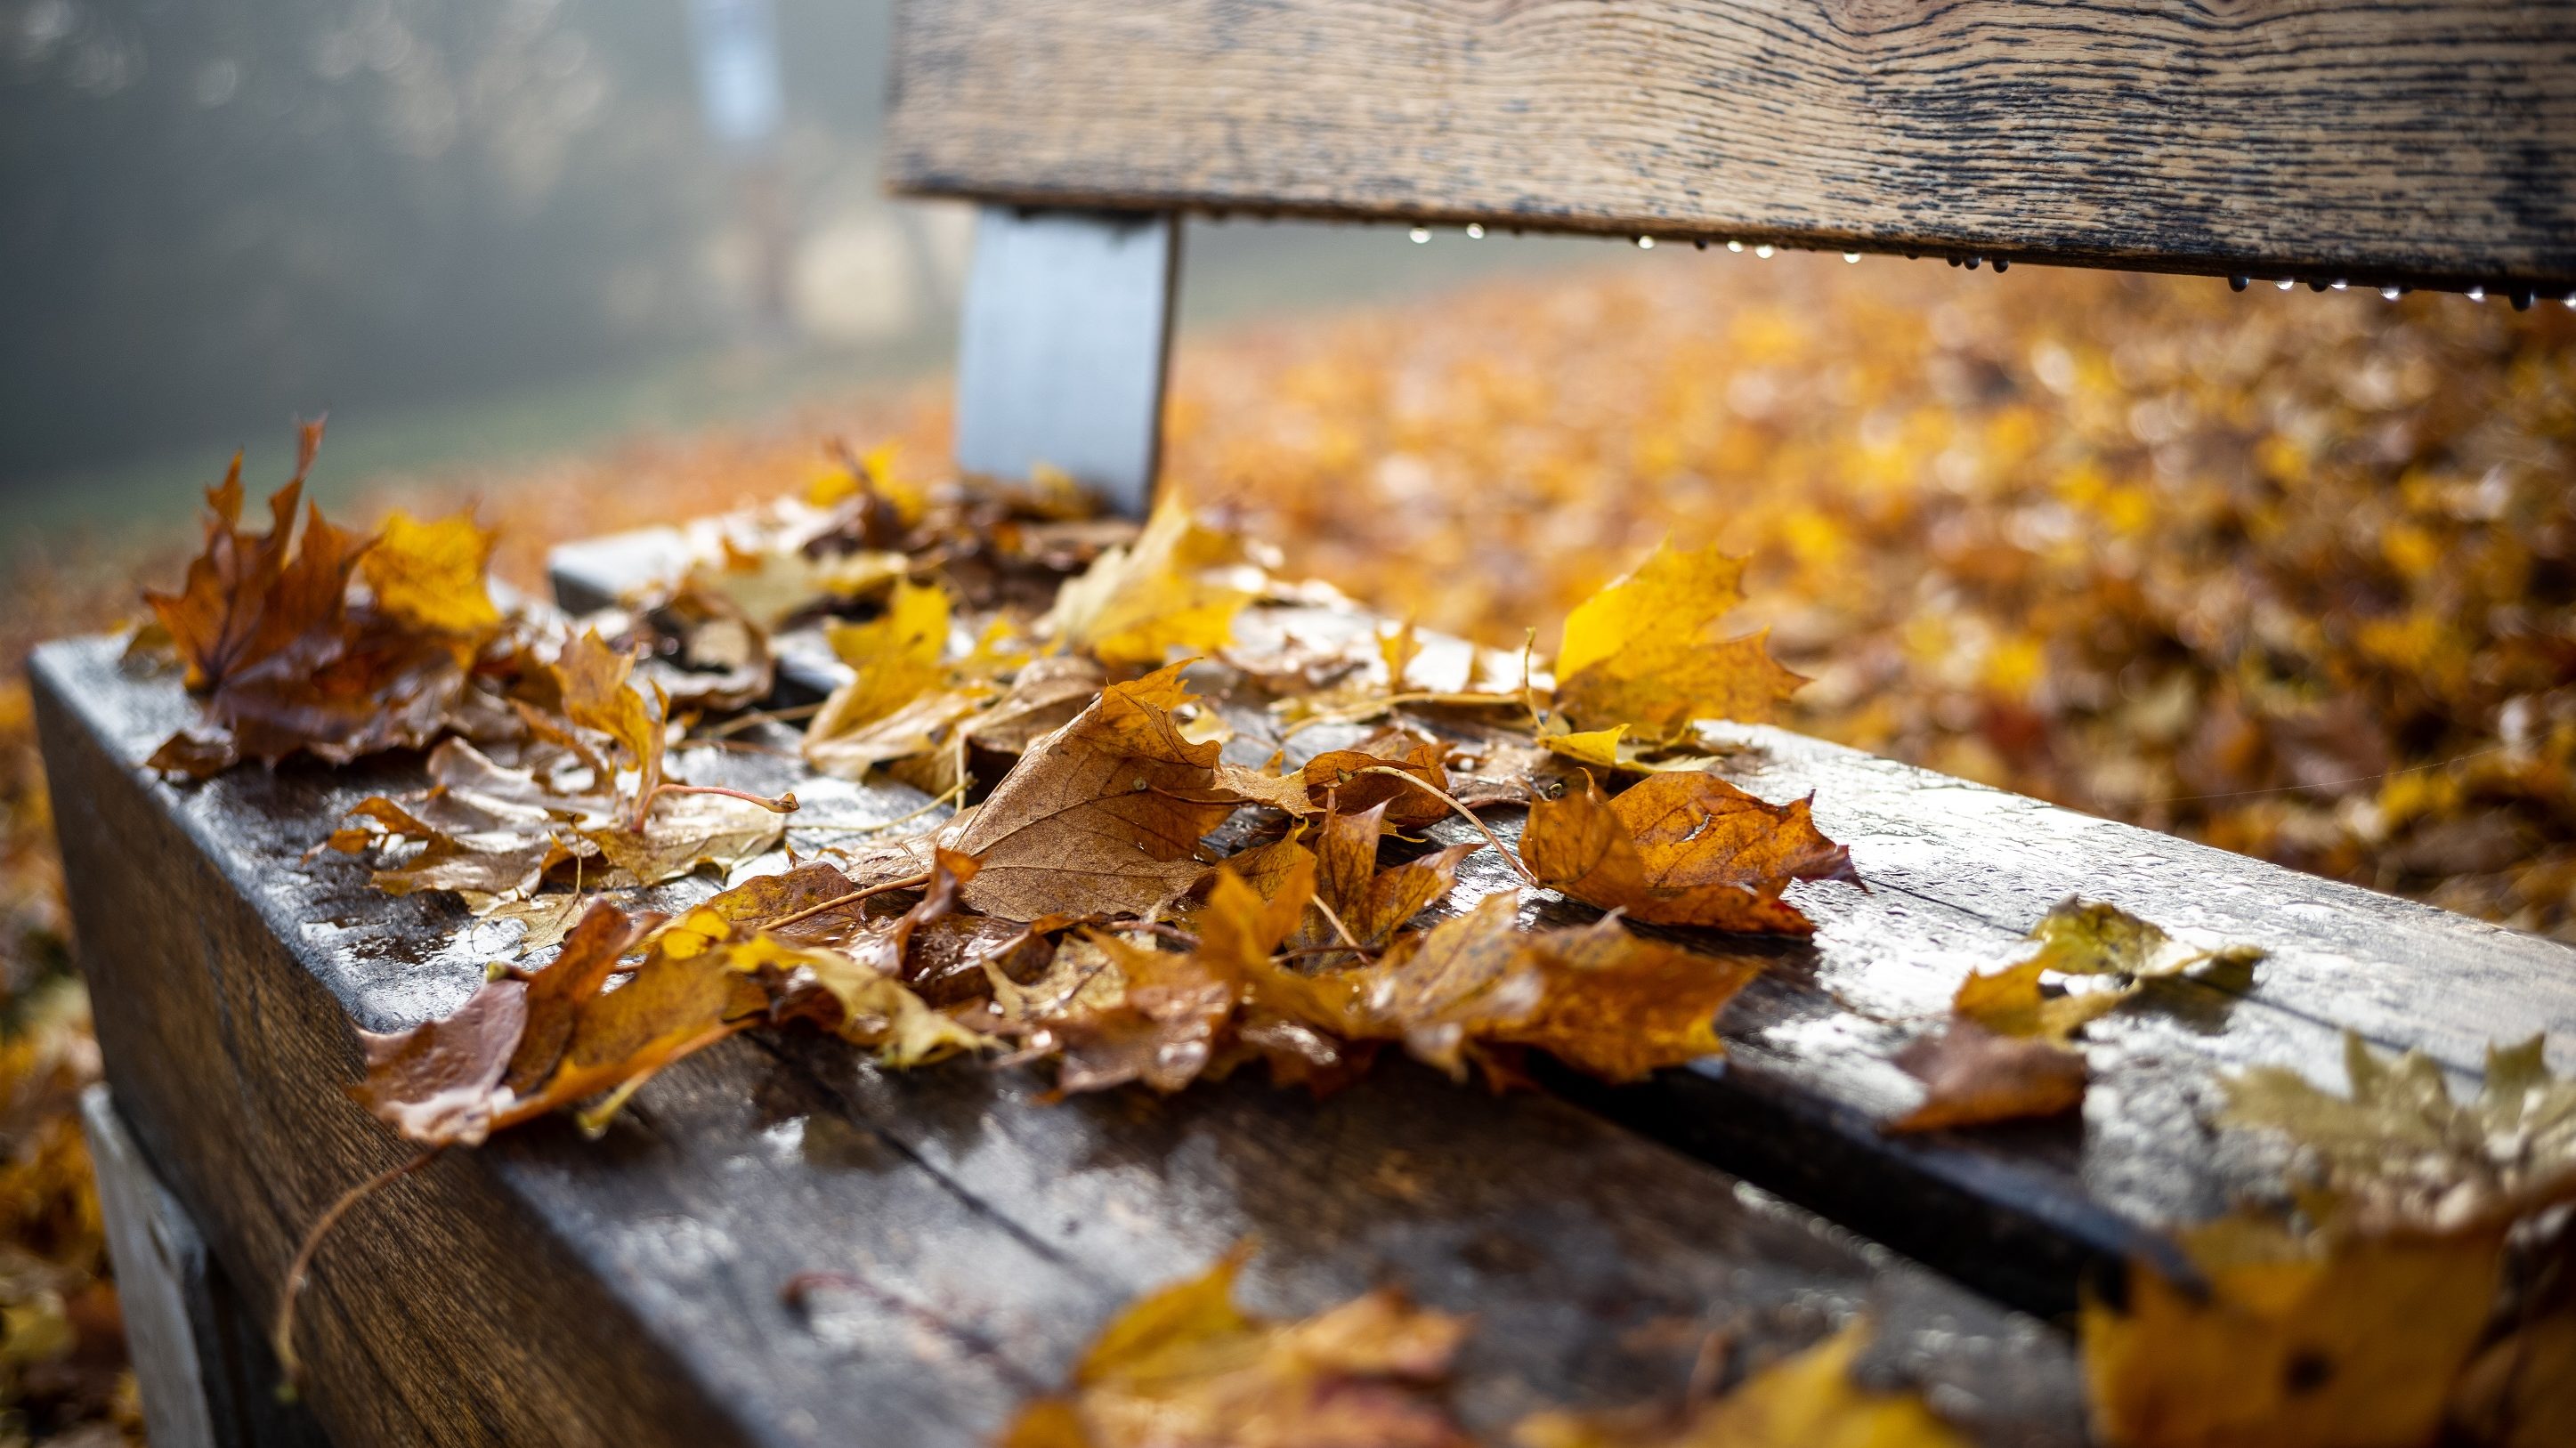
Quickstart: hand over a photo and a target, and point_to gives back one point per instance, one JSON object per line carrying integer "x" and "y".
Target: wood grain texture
{"x": 549, "y": 1289}
{"x": 2431, "y": 142}
{"x": 1957, "y": 874}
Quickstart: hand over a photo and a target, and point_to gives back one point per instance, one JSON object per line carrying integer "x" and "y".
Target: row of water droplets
{"x": 2522, "y": 298}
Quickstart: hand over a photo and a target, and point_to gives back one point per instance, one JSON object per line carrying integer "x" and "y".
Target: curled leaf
{"x": 1682, "y": 849}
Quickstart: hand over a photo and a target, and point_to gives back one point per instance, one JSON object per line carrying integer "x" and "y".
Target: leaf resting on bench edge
{"x": 1186, "y": 1368}
{"x": 1805, "y": 1401}
{"x": 1682, "y": 849}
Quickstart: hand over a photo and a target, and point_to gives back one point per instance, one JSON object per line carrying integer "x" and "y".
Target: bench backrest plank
{"x": 2430, "y": 143}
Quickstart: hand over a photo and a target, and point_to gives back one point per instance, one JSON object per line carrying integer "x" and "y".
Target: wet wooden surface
{"x": 2430, "y": 142}
{"x": 551, "y": 1289}
{"x": 1957, "y": 874}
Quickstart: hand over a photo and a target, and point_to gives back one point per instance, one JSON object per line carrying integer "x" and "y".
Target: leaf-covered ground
{"x": 2288, "y": 573}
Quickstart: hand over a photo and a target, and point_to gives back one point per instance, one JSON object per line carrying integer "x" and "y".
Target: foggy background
{"x": 473, "y": 229}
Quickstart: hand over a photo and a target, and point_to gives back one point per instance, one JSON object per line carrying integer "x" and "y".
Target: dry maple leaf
{"x": 2295, "y": 1342}
{"x": 1644, "y": 651}
{"x": 1596, "y": 997}
{"x": 2401, "y": 1147}
{"x": 1972, "y": 1076}
{"x": 1104, "y": 816}
{"x": 1355, "y": 779}
{"x": 281, "y": 658}
{"x": 1173, "y": 1014}
{"x": 1682, "y": 849}
{"x": 1185, "y": 1367}
{"x": 1177, "y": 588}
{"x": 1807, "y": 1400}
{"x": 529, "y": 1043}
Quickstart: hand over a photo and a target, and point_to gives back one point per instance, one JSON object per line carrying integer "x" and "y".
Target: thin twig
{"x": 784, "y": 804}
{"x": 908, "y": 882}
{"x": 290, "y": 1368}
{"x": 740, "y": 722}
{"x": 1510, "y": 856}
{"x": 1352, "y": 714}
{"x": 1339, "y": 928}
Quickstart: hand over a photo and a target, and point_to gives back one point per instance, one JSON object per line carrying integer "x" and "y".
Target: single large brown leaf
{"x": 1102, "y": 817}
{"x": 1682, "y": 849}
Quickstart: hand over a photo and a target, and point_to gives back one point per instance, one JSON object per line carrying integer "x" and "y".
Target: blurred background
{"x": 2293, "y": 573}
{"x": 482, "y": 229}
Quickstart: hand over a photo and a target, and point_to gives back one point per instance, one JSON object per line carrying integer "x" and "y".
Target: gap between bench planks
{"x": 1957, "y": 875}
{"x": 549, "y": 1289}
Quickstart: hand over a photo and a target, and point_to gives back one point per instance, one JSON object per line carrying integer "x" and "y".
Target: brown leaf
{"x": 1682, "y": 849}
{"x": 435, "y": 1082}
{"x": 557, "y": 994}
{"x": 528, "y": 1044}
{"x": 1044, "y": 696}
{"x": 1972, "y": 1076}
{"x": 1185, "y": 1367}
{"x": 1596, "y": 997}
{"x": 1340, "y": 776}
{"x": 1101, "y": 817}
{"x": 281, "y": 659}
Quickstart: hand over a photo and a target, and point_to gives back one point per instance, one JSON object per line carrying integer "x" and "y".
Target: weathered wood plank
{"x": 2430, "y": 143}
{"x": 1958, "y": 873}
{"x": 548, "y": 1289}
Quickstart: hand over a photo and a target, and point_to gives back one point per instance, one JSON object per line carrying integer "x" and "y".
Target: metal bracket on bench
{"x": 1060, "y": 359}
{"x": 204, "y": 1369}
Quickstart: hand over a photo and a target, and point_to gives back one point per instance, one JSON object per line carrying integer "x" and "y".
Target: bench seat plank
{"x": 546, "y": 1288}
{"x": 1958, "y": 873}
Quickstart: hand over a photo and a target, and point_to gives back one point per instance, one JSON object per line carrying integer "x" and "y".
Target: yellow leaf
{"x": 1176, "y": 590}
{"x": 1185, "y": 1367}
{"x": 1805, "y": 1401}
{"x": 2297, "y": 1343}
{"x": 2009, "y": 1002}
{"x": 1645, "y": 651}
{"x": 430, "y": 575}
{"x": 2086, "y": 937}
{"x": 1596, "y": 747}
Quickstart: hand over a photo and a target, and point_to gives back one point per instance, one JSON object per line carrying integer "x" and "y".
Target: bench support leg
{"x": 1060, "y": 359}
{"x": 207, "y": 1377}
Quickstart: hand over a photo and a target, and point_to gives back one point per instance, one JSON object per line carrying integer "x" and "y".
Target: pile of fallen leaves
{"x": 1180, "y": 818}
{"x": 2290, "y": 574}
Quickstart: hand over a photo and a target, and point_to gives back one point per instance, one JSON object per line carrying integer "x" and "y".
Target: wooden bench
{"x": 636, "y": 1289}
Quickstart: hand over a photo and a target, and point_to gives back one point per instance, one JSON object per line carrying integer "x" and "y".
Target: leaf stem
{"x": 908, "y": 882}
{"x": 1510, "y": 856}
{"x": 784, "y": 804}
{"x": 740, "y": 722}
{"x": 290, "y": 1368}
